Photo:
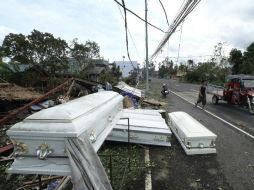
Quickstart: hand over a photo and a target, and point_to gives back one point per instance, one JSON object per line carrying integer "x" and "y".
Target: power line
{"x": 186, "y": 9}
{"x": 186, "y": 57}
{"x": 129, "y": 33}
{"x": 126, "y": 33}
{"x": 164, "y": 11}
{"x": 139, "y": 16}
{"x": 180, "y": 38}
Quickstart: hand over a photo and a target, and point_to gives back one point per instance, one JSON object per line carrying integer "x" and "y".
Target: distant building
{"x": 18, "y": 67}
{"x": 181, "y": 74}
{"x": 100, "y": 65}
{"x": 74, "y": 67}
{"x": 126, "y": 67}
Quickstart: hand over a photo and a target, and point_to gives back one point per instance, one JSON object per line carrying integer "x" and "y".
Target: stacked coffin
{"x": 145, "y": 127}
{"x": 39, "y": 140}
{"x": 192, "y": 135}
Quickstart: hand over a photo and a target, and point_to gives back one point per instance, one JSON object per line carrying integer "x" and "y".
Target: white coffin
{"x": 146, "y": 127}
{"x": 192, "y": 135}
{"x": 93, "y": 115}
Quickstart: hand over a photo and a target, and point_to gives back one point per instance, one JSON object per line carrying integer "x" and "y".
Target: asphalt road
{"x": 232, "y": 113}
{"x": 233, "y": 165}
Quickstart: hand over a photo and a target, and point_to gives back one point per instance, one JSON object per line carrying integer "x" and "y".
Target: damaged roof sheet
{"x": 126, "y": 88}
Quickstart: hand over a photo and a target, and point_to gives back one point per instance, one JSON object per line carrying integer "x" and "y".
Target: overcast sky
{"x": 212, "y": 21}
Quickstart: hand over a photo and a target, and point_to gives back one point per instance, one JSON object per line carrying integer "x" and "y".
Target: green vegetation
{"x": 166, "y": 68}
{"x": 40, "y": 59}
{"x": 112, "y": 76}
{"x": 214, "y": 70}
{"x": 242, "y": 62}
{"x": 123, "y": 176}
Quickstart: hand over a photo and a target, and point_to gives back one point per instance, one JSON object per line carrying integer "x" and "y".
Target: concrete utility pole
{"x": 147, "y": 84}
{"x": 123, "y": 65}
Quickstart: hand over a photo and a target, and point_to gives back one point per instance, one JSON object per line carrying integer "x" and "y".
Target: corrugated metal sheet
{"x": 124, "y": 87}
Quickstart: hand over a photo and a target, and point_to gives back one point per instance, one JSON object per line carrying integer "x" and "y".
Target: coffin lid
{"x": 190, "y": 126}
{"x": 72, "y": 118}
{"x": 75, "y": 108}
{"x": 150, "y": 121}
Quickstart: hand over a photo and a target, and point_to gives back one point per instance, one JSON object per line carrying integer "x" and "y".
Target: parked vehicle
{"x": 238, "y": 89}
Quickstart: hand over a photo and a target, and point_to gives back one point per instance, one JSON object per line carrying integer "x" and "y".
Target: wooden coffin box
{"x": 39, "y": 140}
{"x": 192, "y": 135}
{"x": 145, "y": 127}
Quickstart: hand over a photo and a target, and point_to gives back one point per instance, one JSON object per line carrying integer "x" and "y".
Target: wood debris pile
{"x": 13, "y": 92}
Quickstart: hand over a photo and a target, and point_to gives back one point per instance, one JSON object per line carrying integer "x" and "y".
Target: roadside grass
{"x": 141, "y": 85}
{"x": 124, "y": 175}
{"x": 155, "y": 93}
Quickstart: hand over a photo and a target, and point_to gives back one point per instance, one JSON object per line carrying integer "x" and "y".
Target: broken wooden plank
{"x": 6, "y": 148}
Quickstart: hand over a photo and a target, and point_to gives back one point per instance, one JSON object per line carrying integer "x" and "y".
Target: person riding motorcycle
{"x": 164, "y": 90}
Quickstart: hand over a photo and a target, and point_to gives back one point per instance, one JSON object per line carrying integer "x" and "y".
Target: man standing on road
{"x": 202, "y": 95}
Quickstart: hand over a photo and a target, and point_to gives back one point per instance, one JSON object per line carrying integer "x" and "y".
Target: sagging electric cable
{"x": 139, "y": 17}
{"x": 179, "y": 46}
{"x": 164, "y": 12}
{"x": 183, "y": 13}
{"x": 126, "y": 33}
{"x": 134, "y": 44}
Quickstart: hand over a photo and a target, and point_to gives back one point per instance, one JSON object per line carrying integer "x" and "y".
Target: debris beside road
{"x": 12, "y": 92}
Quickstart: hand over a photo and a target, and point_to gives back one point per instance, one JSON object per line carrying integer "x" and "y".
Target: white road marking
{"x": 148, "y": 179}
{"x": 217, "y": 117}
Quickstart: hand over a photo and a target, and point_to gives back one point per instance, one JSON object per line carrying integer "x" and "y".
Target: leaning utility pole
{"x": 147, "y": 85}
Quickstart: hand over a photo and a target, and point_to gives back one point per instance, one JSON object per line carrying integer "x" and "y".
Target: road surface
{"x": 233, "y": 165}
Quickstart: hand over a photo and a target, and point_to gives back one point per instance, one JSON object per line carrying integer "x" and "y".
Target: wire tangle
{"x": 123, "y": 6}
{"x": 164, "y": 11}
{"x": 186, "y": 8}
{"x": 134, "y": 44}
{"x": 126, "y": 33}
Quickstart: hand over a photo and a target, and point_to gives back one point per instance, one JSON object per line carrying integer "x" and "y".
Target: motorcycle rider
{"x": 164, "y": 91}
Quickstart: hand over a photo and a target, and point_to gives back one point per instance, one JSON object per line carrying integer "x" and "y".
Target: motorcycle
{"x": 164, "y": 91}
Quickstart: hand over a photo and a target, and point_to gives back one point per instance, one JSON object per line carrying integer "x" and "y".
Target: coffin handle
{"x": 43, "y": 151}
